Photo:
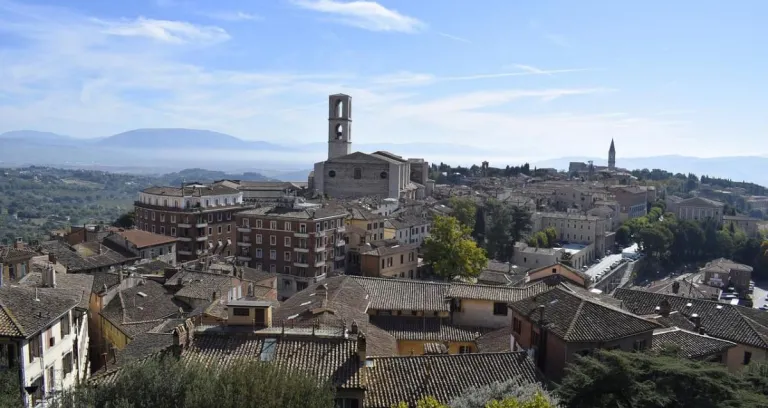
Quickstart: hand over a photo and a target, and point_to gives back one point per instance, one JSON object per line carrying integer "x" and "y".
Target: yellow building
{"x": 417, "y": 335}
{"x": 15, "y": 261}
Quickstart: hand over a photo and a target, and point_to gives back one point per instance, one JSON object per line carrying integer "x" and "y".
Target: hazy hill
{"x": 34, "y": 136}
{"x": 181, "y": 139}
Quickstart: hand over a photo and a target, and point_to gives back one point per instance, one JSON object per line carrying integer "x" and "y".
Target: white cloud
{"x": 233, "y": 16}
{"x": 367, "y": 15}
{"x": 72, "y": 77}
{"x": 164, "y": 30}
{"x": 454, "y": 38}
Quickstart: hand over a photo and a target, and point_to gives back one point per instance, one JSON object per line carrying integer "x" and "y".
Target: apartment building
{"x": 144, "y": 244}
{"x": 390, "y": 260}
{"x": 578, "y": 196}
{"x": 575, "y": 228}
{"x": 200, "y": 216}
{"x": 301, "y": 242}
{"x": 633, "y": 201}
{"x": 407, "y": 229}
{"x": 44, "y": 336}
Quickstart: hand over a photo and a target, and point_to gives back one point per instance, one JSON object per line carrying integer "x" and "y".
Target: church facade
{"x": 347, "y": 174}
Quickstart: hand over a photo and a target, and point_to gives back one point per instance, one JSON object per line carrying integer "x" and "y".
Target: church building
{"x": 351, "y": 175}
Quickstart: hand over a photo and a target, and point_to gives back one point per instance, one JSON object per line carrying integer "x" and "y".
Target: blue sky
{"x": 533, "y": 79}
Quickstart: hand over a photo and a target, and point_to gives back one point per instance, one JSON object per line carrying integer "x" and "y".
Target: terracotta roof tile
{"x": 425, "y": 328}
{"x": 495, "y": 293}
{"x": 404, "y": 294}
{"x": 692, "y": 345}
{"x": 145, "y": 239}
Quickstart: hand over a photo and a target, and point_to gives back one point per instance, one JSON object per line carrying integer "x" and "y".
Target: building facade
{"x": 201, "y": 217}
{"x": 348, "y": 175}
{"x": 302, "y": 243}
{"x": 391, "y": 261}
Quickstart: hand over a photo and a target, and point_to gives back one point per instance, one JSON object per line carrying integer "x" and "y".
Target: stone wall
{"x": 344, "y": 184}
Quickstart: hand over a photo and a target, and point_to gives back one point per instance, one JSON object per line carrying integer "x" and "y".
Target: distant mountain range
{"x": 169, "y": 150}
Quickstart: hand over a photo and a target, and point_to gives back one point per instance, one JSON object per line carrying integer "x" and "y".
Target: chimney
{"x": 354, "y": 329}
{"x": 120, "y": 275}
{"x": 322, "y": 290}
{"x": 664, "y": 308}
{"x": 52, "y": 258}
{"x": 696, "y": 319}
{"x": 362, "y": 355}
{"x": 51, "y": 276}
{"x": 19, "y": 244}
{"x": 676, "y": 287}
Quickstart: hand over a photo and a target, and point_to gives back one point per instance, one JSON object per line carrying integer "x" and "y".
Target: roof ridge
{"x": 575, "y": 317}
{"x": 751, "y": 323}
{"x": 122, "y": 305}
{"x": 607, "y": 305}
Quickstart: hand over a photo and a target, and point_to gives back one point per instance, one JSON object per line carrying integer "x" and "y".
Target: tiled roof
{"x": 9, "y": 253}
{"x": 256, "y": 274}
{"x": 692, "y": 345}
{"x": 686, "y": 288}
{"x": 333, "y": 359}
{"x": 25, "y": 311}
{"x": 435, "y": 348}
{"x": 574, "y": 318}
{"x": 143, "y": 239}
{"x": 150, "y": 268}
{"x": 497, "y": 341}
{"x": 144, "y": 345}
{"x": 495, "y": 293}
{"x": 77, "y": 286}
{"x": 103, "y": 280}
{"x": 141, "y": 308}
{"x": 199, "y": 285}
{"x": 405, "y": 294}
{"x": 189, "y": 191}
{"x": 75, "y": 262}
{"x": 394, "y": 379}
{"x": 425, "y": 328}
{"x": 725, "y": 266}
{"x": 311, "y": 213}
{"x": 734, "y": 323}
{"x": 392, "y": 250}
{"x": 694, "y": 201}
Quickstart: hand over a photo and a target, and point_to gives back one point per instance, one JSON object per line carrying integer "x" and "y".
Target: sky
{"x": 538, "y": 79}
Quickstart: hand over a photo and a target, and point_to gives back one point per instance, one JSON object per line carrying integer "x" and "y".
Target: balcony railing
{"x": 244, "y": 244}
{"x": 301, "y": 264}
{"x": 300, "y": 249}
{"x": 244, "y": 230}
{"x": 320, "y": 248}
{"x": 201, "y": 239}
{"x": 301, "y": 234}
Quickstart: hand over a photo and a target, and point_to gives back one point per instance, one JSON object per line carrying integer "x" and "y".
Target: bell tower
{"x": 612, "y": 157}
{"x": 339, "y": 125}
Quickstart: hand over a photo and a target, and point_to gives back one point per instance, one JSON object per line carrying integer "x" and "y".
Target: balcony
{"x": 341, "y": 229}
{"x": 185, "y": 239}
{"x": 201, "y": 239}
{"x": 301, "y": 265}
{"x": 321, "y": 233}
{"x": 301, "y": 234}
{"x": 244, "y": 244}
{"x": 244, "y": 258}
{"x": 201, "y": 225}
{"x": 340, "y": 257}
{"x": 319, "y": 263}
{"x": 320, "y": 248}
{"x": 303, "y": 250}
{"x": 184, "y": 253}
{"x": 244, "y": 230}
{"x": 340, "y": 243}
{"x": 184, "y": 225}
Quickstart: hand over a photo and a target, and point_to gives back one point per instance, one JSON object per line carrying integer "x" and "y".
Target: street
{"x": 602, "y": 265}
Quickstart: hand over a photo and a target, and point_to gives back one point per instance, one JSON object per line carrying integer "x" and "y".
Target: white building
{"x": 44, "y": 333}
{"x": 191, "y": 196}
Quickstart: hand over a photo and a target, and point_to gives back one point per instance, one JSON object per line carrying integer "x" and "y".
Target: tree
{"x": 464, "y": 209}
{"x": 521, "y": 223}
{"x": 499, "y": 239}
{"x": 451, "y": 251}
{"x": 127, "y": 220}
{"x": 479, "y": 397}
{"x": 623, "y": 236}
{"x": 621, "y": 379}
{"x": 10, "y": 391}
{"x": 478, "y": 233}
{"x": 168, "y": 382}
{"x": 567, "y": 259}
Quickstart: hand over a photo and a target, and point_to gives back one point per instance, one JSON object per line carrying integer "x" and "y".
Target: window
{"x": 332, "y": 173}
{"x": 229, "y": 227}
{"x": 258, "y": 223}
{"x": 287, "y": 270}
{"x": 287, "y": 241}
{"x": 273, "y": 240}
{"x": 246, "y": 223}
{"x": 219, "y": 216}
{"x": 241, "y": 311}
{"x": 358, "y": 173}
{"x": 383, "y": 174}
{"x": 258, "y": 253}
{"x": 639, "y": 345}
{"x": 747, "y": 357}
{"x": 517, "y": 325}
{"x": 273, "y": 225}
{"x": 499, "y": 309}
{"x": 287, "y": 256}
{"x": 152, "y": 214}
{"x": 162, "y": 217}
{"x": 153, "y": 229}
{"x": 258, "y": 238}
{"x": 173, "y": 231}
{"x": 272, "y": 254}
{"x": 7, "y": 355}
{"x": 346, "y": 403}
{"x": 67, "y": 364}
{"x": 229, "y": 216}
{"x": 402, "y": 258}
{"x": 210, "y": 230}
{"x": 162, "y": 230}
{"x": 535, "y": 338}
{"x": 50, "y": 380}
{"x": 465, "y": 349}
{"x": 272, "y": 268}
{"x": 303, "y": 228}
{"x": 64, "y": 326}
{"x": 219, "y": 229}
{"x": 210, "y": 217}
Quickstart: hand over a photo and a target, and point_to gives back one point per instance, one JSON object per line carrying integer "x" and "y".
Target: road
{"x": 602, "y": 265}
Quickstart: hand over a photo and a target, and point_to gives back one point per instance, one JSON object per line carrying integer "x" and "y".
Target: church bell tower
{"x": 612, "y": 157}
{"x": 339, "y": 125}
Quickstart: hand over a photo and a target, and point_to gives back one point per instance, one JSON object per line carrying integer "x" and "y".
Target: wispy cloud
{"x": 411, "y": 78}
{"x": 455, "y": 38}
{"x": 232, "y": 16}
{"x": 164, "y": 30}
{"x": 367, "y": 15}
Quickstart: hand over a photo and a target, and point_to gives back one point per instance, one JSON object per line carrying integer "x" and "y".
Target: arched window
{"x": 165, "y": 203}
{"x": 339, "y": 132}
{"x": 358, "y": 173}
{"x": 339, "y": 108}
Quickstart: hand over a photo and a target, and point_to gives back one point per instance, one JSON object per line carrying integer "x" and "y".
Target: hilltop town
{"x": 396, "y": 280}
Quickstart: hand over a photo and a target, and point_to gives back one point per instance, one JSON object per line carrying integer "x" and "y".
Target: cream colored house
{"x": 699, "y": 209}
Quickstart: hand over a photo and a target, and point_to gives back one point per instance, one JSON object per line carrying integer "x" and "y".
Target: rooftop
{"x": 692, "y": 345}
{"x": 25, "y": 311}
{"x": 78, "y": 286}
{"x": 310, "y": 213}
{"x": 192, "y": 190}
{"x": 141, "y": 308}
{"x": 144, "y": 239}
{"x": 575, "y": 318}
{"x": 495, "y": 293}
{"x": 426, "y": 329}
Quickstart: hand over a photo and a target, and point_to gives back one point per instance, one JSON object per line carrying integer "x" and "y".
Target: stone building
{"x": 349, "y": 175}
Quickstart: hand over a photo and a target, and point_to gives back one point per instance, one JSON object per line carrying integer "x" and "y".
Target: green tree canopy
{"x": 171, "y": 383}
{"x": 616, "y": 379}
{"x": 451, "y": 251}
{"x": 464, "y": 209}
{"x": 127, "y": 220}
